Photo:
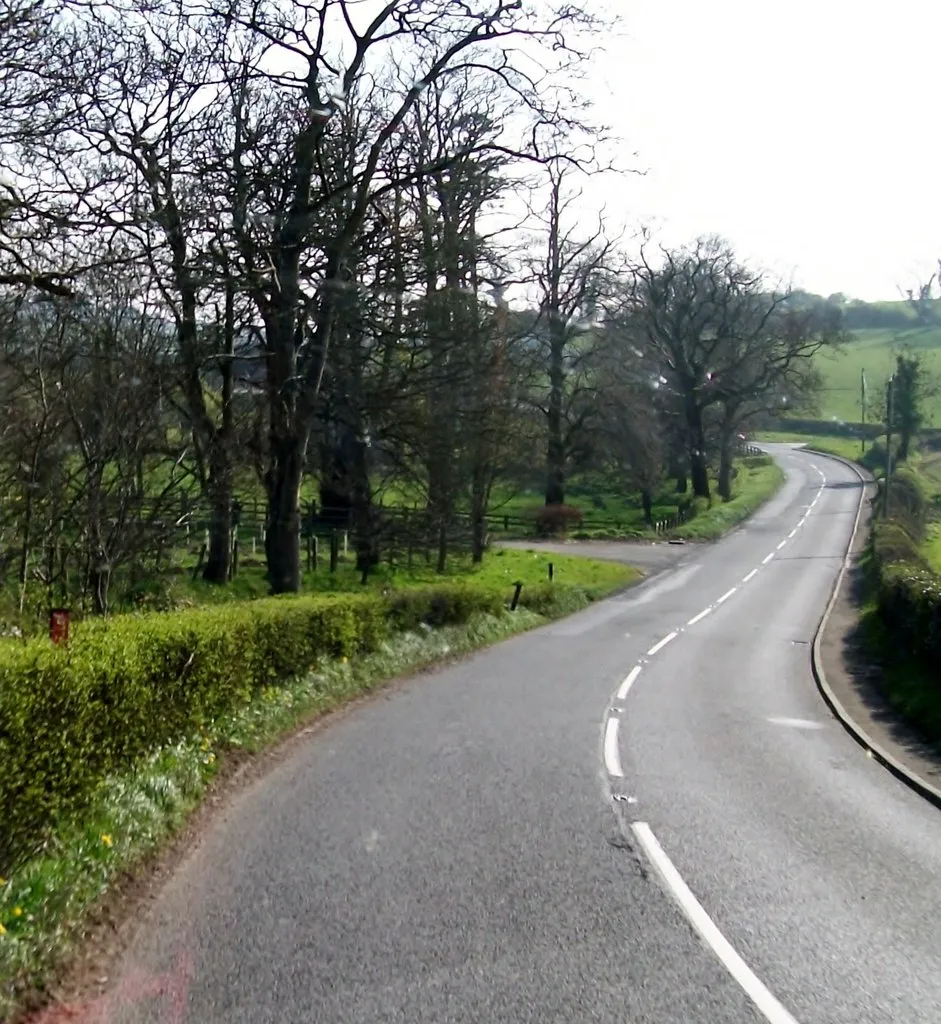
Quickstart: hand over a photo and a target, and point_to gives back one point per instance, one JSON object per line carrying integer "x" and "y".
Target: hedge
{"x": 71, "y": 716}
{"x": 907, "y": 592}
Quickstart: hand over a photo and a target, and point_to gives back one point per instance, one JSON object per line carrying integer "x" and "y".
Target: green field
{"x": 873, "y": 351}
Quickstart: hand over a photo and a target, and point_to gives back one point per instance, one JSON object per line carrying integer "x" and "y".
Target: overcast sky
{"x": 805, "y": 132}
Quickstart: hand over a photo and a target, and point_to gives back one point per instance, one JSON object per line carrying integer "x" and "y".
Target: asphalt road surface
{"x": 542, "y": 833}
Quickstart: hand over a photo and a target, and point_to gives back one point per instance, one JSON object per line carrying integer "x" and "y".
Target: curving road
{"x": 544, "y": 833}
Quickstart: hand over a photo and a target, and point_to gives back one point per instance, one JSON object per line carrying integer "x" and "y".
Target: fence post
{"x": 516, "y": 596}
{"x": 334, "y": 551}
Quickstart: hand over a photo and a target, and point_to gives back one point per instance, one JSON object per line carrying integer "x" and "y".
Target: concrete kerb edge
{"x": 911, "y": 779}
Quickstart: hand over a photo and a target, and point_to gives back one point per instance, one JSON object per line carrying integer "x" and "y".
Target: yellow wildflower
{"x": 3, "y": 930}
{"x": 106, "y": 839}
{"x": 17, "y": 911}
{"x": 3, "y": 881}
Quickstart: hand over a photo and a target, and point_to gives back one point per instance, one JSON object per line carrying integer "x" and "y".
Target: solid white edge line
{"x": 726, "y": 595}
{"x": 751, "y": 575}
{"x": 625, "y": 688}
{"x": 699, "y": 617}
{"x": 660, "y": 644}
{"x": 708, "y": 931}
{"x": 612, "y": 756}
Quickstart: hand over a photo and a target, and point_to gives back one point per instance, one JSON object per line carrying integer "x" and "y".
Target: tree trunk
{"x": 725, "y": 469}
{"x": 283, "y": 537}
{"x": 100, "y": 579}
{"x": 442, "y": 563}
{"x": 219, "y": 557}
{"x": 905, "y": 440}
{"x": 555, "y": 443}
{"x": 699, "y": 469}
{"x": 365, "y": 533}
{"x": 646, "y": 501}
{"x": 478, "y": 514}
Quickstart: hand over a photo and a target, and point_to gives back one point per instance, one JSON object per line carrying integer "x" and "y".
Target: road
{"x": 483, "y": 844}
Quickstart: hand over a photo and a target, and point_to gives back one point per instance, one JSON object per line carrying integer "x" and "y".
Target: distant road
{"x": 545, "y": 833}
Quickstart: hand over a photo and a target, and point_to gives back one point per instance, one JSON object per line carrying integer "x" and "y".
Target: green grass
{"x": 846, "y": 447}
{"x": 873, "y": 351}
{"x": 500, "y": 569}
{"x": 753, "y": 486}
{"x": 927, "y": 468}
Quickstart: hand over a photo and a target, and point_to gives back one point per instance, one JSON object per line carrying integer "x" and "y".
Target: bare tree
{"x": 571, "y": 275}
{"x": 719, "y": 337}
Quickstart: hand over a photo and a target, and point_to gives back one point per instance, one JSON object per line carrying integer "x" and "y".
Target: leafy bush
{"x": 440, "y": 607}
{"x": 908, "y": 594}
{"x": 70, "y": 716}
{"x": 552, "y": 520}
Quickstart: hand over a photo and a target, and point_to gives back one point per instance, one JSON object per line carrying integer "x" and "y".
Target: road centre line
{"x": 751, "y": 575}
{"x": 791, "y": 534}
{"x": 767, "y": 558}
{"x": 660, "y": 644}
{"x": 628, "y": 682}
{"x": 726, "y": 595}
{"x": 612, "y": 756}
{"x": 781, "y": 545}
{"x": 708, "y": 931}
{"x": 700, "y": 616}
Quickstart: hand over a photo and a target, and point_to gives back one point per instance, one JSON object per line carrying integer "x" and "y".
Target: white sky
{"x": 803, "y": 131}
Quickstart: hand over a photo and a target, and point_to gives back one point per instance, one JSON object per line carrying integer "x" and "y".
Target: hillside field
{"x": 872, "y": 350}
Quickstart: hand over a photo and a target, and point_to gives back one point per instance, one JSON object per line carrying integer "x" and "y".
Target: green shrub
{"x": 552, "y": 520}
{"x": 907, "y": 593}
{"x": 71, "y": 716}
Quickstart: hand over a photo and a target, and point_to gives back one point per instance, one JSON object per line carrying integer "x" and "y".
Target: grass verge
{"x": 46, "y": 902}
{"x": 755, "y": 484}
{"x": 845, "y": 447}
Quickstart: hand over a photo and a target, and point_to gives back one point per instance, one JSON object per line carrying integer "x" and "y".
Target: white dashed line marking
{"x": 751, "y": 575}
{"x": 795, "y": 723}
{"x": 791, "y": 534}
{"x": 660, "y": 644}
{"x": 628, "y": 682}
{"x": 699, "y": 617}
{"x": 781, "y": 545}
{"x": 757, "y": 992}
{"x": 612, "y": 756}
{"x": 726, "y": 595}
{"x": 767, "y": 558}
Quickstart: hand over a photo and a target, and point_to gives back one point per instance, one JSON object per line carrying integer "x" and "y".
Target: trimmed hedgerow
{"x": 71, "y": 716}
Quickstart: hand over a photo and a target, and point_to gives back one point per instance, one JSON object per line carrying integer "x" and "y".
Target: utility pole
{"x": 862, "y": 406}
{"x": 889, "y": 404}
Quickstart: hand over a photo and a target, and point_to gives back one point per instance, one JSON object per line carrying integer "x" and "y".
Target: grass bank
{"x": 758, "y": 479}
{"x": 131, "y": 811}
